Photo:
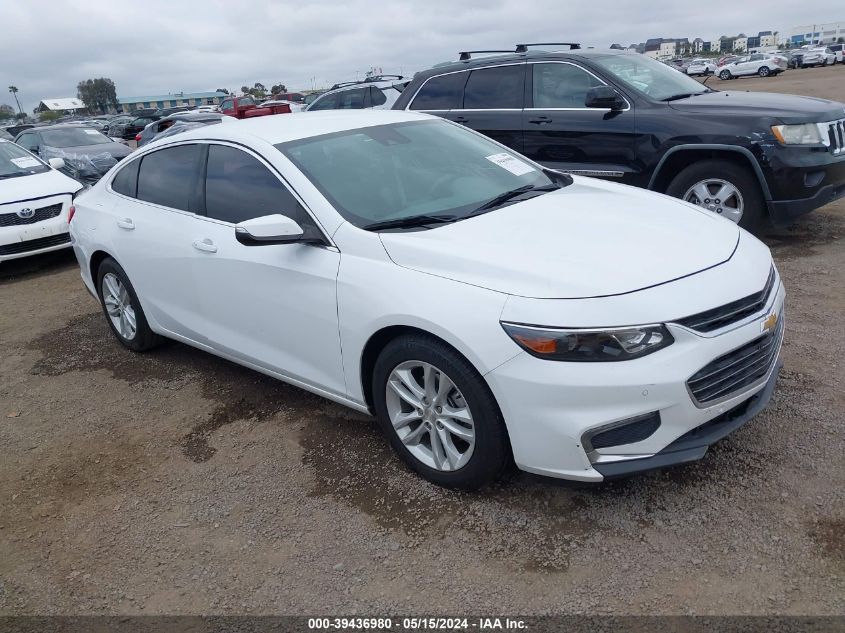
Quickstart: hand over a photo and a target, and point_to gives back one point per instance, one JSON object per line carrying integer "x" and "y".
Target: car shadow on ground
{"x": 26, "y": 268}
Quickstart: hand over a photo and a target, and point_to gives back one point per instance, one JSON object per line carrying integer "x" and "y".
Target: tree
{"x": 14, "y": 91}
{"x": 245, "y": 90}
{"x": 223, "y": 90}
{"x": 277, "y": 88}
{"x": 98, "y": 95}
{"x": 841, "y": 40}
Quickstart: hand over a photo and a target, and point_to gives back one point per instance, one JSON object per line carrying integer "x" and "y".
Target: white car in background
{"x": 837, "y": 50}
{"x": 35, "y": 199}
{"x": 818, "y": 57}
{"x": 759, "y": 64}
{"x": 702, "y": 67}
{"x": 373, "y": 93}
{"x": 404, "y": 265}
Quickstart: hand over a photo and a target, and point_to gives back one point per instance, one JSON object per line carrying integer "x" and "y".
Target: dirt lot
{"x": 175, "y": 482}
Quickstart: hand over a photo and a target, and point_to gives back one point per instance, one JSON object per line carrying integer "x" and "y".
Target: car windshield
{"x": 649, "y": 76}
{"x": 16, "y": 161}
{"x": 73, "y": 137}
{"x": 416, "y": 169}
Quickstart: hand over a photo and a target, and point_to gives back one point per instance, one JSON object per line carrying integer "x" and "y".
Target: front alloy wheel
{"x": 718, "y": 196}
{"x": 725, "y": 75}
{"x": 119, "y": 307}
{"x": 764, "y": 71}
{"x": 430, "y": 415}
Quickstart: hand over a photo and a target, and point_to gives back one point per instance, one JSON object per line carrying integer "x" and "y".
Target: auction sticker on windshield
{"x": 25, "y": 162}
{"x": 92, "y": 132}
{"x": 513, "y": 165}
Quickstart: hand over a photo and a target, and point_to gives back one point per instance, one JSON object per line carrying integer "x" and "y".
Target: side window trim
{"x": 203, "y": 213}
{"x": 529, "y": 88}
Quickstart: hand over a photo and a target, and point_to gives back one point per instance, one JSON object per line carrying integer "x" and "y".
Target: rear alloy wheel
{"x": 725, "y": 74}
{"x": 122, "y": 309}
{"x": 439, "y": 413}
{"x": 764, "y": 71}
{"x": 724, "y": 188}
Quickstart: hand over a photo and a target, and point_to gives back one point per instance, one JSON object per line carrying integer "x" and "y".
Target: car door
{"x": 271, "y": 305}
{"x": 743, "y": 66}
{"x": 492, "y": 103}
{"x": 561, "y": 132}
{"x": 153, "y": 232}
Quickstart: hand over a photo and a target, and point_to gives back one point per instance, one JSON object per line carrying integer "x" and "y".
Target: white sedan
{"x": 35, "y": 200}
{"x": 482, "y": 307}
{"x": 756, "y": 64}
{"x": 701, "y": 67}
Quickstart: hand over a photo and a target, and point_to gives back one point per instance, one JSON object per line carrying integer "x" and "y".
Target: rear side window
{"x": 441, "y": 93}
{"x": 561, "y": 86}
{"x": 377, "y": 97}
{"x": 328, "y": 102}
{"x": 239, "y": 187}
{"x": 352, "y": 99}
{"x": 495, "y": 88}
{"x": 126, "y": 180}
{"x": 167, "y": 177}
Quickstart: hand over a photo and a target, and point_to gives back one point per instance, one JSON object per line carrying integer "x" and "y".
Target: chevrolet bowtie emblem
{"x": 770, "y": 322}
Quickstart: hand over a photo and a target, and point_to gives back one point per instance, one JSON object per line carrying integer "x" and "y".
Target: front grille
{"x": 34, "y": 245}
{"x": 736, "y": 370}
{"x": 44, "y": 213}
{"x": 733, "y": 312}
{"x": 833, "y": 135}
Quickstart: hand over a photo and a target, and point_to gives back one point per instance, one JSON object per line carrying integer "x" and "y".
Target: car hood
{"x": 49, "y": 183}
{"x": 589, "y": 239}
{"x": 117, "y": 150}
{"x": 789, "y": 108}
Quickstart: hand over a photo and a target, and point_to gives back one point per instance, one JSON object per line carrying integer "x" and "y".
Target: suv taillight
{"x": 138, "y": 137}
{"x": 70, "y": 213}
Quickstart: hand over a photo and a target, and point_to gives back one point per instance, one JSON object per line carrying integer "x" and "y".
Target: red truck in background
{"x": 246, "y": 108}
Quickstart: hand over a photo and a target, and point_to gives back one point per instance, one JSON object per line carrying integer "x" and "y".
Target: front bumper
{"x": 40, "y": 237}
{"x": 551, "y": 408}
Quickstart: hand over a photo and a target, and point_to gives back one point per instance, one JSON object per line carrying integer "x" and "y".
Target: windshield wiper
{"x": 684, "y": 95}
{"x": 509, "y": 195}
{"x": 410, "y": 222}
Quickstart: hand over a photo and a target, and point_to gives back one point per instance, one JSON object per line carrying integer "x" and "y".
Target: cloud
{"x": 161, "y": 46}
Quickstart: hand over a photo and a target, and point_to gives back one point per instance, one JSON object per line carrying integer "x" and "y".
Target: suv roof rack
{"x": 367, "y": 80}
{"x": 523, "y": 48}
{"x": 466, "y": 55}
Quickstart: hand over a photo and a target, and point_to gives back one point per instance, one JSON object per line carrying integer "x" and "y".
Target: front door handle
{"x": 540, "y": 120}
{"x": 205, "y": 245}
{"x": 460, "y": 119}
{"x": 126, "y": 223}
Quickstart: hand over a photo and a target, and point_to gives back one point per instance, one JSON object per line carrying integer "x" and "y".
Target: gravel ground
{"x": 175, "y": 482}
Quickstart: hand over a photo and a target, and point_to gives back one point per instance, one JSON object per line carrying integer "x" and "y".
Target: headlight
{"x": 803, "y": 134}
{"x": 607, "y": 344}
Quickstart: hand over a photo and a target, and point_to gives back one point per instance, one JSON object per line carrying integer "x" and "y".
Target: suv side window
{"x": 495, "y": 88}
{"x": 327, "y": 102}
{"x": 352, "y": 99}
{"x": 561, "y": 85}
{"x": 377, "y": 97}
{"x": 441, "y": 93}
{"x": 239, "y": 187}
{"x": 166, "y": 177}
{"x": 126, "y": 180}
{"x": 757, "y": 57}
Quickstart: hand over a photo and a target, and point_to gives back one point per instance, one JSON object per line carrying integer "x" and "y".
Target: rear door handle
{"x": 540, "y": 120}
{"x": 126, "y": 223}
{"x": 460, "y": 119}
{"x": 205, "y": 245}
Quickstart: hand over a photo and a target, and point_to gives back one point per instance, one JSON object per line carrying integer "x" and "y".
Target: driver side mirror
{"x": 56, "y": 163}
{"x": 274, "y": 229}
{"x": 604, "y": 97}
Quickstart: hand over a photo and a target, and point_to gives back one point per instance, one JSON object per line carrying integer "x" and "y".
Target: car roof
{"x": 531, "y": 55}
{"x": 280, "y": 128}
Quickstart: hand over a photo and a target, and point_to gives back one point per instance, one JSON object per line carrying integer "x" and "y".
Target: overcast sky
{"x": 160, "y": 46}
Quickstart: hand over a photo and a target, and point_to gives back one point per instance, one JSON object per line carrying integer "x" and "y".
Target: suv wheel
{"x": 764, "y": 71}
{"x": 439, "y": 414}
{"x": 725, "y": 74}
{"x": 722, "y": 187}
{"x": 122, "y": 309}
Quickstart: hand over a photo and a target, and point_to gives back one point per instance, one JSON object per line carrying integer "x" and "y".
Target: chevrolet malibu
{"x": 484, "y": 308}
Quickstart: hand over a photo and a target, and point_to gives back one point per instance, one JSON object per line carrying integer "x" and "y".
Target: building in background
{"x": 128, "y": 104}
{"x": 817, "y": 33}
{"x": 64, "y": 105}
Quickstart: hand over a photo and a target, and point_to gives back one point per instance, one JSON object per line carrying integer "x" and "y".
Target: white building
{"x": 811, "y": 33}
{"x": 65, "y": 104}
{"x": 741, "y": 44}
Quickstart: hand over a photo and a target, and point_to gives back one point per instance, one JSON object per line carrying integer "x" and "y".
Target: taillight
{"x": 70, "y": 213}
{"x": 137, "y": 137}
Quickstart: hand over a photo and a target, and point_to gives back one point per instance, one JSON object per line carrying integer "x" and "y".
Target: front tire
{"x": 723, "y": 187}
{"x": 764, "y": 71}
{"x": 439, "y": 414}
{"x": 122, "y": 309}
{"x": 725, "y": 75}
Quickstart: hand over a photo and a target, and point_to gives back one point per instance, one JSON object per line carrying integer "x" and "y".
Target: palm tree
{"x": 14, "y": 92}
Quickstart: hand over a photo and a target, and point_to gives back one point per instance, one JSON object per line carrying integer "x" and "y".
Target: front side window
{"x": 28, "y": 141}
{"x": 327, "y": 102}
{"x": 648, "y": 76}
{"x": 561, "y": 85}
{"x": 246, "y": 101}
{"x": 239, "y": 187}
{"x": 441, "y": 93}
{"x": 403, "y": 170}
{"x": 495, "y": 88}
{"x": 167, "y": 177}
{"x": 226, "y": 105}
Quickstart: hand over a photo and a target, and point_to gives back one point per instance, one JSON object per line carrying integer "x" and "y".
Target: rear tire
{"x": 487, "y": 453}
{"x": 738, "y": 176}
{"x": 122, "y": 309}
{"x": 764, "y": 71}
{"x": 725, "y": 75}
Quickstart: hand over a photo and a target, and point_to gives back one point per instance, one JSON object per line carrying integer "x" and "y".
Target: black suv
{"x": 623, "y": 116}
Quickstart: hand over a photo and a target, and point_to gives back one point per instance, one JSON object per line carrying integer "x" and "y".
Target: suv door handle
{"x": 126, "y": 223}
{"x": 460, "y": 119}
{"x": 540, "y": 120}
{"x": 205, "y": 245}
